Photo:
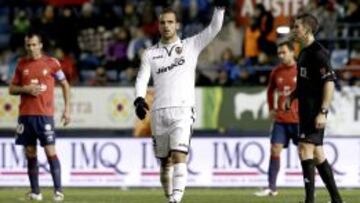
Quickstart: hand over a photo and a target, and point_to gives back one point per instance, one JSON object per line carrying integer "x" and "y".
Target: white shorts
{"x": 171, "y": 130}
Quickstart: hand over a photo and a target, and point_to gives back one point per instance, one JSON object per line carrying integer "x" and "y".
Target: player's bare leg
{"x": 274, "y": 167}
{"x": 306, "y": 153}
{"x": 55, "y": 170}
{"x": 180, "y": 175}
{"x": 166, "y": 175}
{"x": 326, "y": 174}
{"x": 33, "y": 173}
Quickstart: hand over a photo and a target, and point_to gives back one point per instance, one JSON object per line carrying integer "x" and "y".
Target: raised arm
{"x": 202, "y": 39}
{"x": 15, "y": 88}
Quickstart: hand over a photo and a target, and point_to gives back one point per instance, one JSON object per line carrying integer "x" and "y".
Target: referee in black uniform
{"x": 315, "y": 87}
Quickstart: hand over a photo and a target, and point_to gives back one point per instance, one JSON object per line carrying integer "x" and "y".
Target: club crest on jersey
{"x": 178, "y": 50}
{"x": 26, "y": 72}
{"x": 45, "y": 71}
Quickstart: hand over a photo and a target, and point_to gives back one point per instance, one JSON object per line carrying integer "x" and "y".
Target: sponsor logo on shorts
{"x": 50, "y": 138}
{"x": 47, "y": 127}
{"x": 20, "y": 128}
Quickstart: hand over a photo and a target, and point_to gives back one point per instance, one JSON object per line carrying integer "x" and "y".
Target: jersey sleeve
{"x": 270, "y": 91}
{"x": 143, "y": 76}
{"x": 201, "y": 40}
{"x": 57, "y": 70}
{"x": 325, "y": 69}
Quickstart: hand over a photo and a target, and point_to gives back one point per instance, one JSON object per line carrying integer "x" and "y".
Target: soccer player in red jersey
{"x": 285, "y": 127}
{"x": 34, "y": 81}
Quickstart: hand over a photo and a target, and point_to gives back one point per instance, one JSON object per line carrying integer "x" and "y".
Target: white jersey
{"x": 172, "y": 67}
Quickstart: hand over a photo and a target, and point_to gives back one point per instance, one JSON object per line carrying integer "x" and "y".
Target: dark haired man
{"x": 315, "y": 87}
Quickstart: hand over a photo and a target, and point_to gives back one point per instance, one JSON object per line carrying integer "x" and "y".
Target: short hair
{"x": 170, "y": 10}
{"x": 309, "y": 20}
{"x": 286, "y": 42}
{"x": 31, "y": 34}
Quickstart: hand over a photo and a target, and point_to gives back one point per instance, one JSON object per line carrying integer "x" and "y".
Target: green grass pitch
{"x": 192, "y": 195}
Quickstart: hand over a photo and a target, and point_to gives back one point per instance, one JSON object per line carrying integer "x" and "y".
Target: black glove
{"x": 140, "y": 107}
{"x": 221, "y": 3}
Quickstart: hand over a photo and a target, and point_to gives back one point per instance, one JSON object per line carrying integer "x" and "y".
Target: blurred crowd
{"x": 100, "y": 42}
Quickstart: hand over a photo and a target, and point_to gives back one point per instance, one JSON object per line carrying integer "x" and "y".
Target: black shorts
{"x": 31, "y": 128}
{"x": 309, "y": 134}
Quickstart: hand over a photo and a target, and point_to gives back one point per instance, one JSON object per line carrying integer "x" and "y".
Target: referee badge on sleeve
{"x": 303, "y": 72}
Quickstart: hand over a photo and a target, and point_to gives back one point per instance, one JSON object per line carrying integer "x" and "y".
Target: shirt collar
{"x": 178, "y": 41}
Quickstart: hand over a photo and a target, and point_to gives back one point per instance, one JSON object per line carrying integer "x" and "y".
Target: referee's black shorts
{"x": 309, "y": 134}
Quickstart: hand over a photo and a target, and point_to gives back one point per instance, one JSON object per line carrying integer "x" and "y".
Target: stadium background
{"x": 99, "y": 44}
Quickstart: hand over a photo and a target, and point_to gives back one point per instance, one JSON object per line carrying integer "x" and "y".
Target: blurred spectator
{"x": 3, "y": 68}
{"x": 228, "y": 63}
{"x": 195, "y": 9}
{"x": 67, "y": 40}
{"x": 149, "y": 22}
{"x": 223, "y": 79}
{"x": 20, "y": 25}
{"x": 100, "y": 78}
{"x": 251, "y": 47}
{"x": 13, "y": 60}
{"x": 137, "y": 43}
{"x": 116, "y": 52}
{"x": 128, "y": 77}
{"x": 93, "y": 43}
{"x": 265, "y": 22}
{"x": 45, "y": 24}
{"x": 87, "y": 17}
{"x": 352, "y": 16}
{"x": 68, "y": 65}
{"x": 130, "y": 17}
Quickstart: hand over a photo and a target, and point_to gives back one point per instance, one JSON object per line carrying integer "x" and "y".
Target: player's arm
{"x": 65, "y": 87}
{"x": 289, "y": 99}
{"x": 329, "y": 88}
{"x": 327, "y": 77}
{"x": 15, "y": 88}
{"x": 202, "y": 39}
{"x": 32, "y": 89}
{"x": 141, "y": 84}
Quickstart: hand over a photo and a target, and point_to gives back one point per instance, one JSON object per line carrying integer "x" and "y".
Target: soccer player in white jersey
{"x": 171, "y": 63}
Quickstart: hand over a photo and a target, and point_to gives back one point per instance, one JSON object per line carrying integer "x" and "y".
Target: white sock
{"x": 179, "y": 181}
{"x": 166, "y": 175}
